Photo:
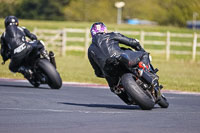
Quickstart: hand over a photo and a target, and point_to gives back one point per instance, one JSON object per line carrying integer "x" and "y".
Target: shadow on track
{"x": 126, "y": 107}
{"x": 22, "y": 86}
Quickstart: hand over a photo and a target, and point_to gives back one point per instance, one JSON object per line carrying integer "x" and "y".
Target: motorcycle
{"x": 135, "y": 85}
{"x": 43, "y": 70}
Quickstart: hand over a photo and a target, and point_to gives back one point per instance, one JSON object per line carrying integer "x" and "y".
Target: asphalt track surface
{"x": 90, "y": 109}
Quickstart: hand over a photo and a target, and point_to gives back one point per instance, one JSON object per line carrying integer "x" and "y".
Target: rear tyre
{"x": 53, "y": 77}
{"x": 143, "y": 98}
{"x": 163, "y": 103}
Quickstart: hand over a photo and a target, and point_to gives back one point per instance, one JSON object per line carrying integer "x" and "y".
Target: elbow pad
{"x": 33, "y": 37}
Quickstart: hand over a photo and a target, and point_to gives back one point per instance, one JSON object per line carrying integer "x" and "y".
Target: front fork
{"x": 49, "y": 56}
{"x": 158, "y": 93}
{"x": 52, "y": 58}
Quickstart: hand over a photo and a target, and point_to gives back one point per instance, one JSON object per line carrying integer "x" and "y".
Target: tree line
{"x": 165, "y": 12}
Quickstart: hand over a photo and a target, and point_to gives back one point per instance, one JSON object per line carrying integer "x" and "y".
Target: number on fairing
{"x": 20, "y": 48}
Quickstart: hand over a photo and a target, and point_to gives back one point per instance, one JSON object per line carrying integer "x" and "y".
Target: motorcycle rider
{"x": 15, "y": 46}
{"x": 105, "y": 53}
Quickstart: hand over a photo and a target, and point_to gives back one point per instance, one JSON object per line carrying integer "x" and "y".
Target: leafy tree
{"x": 91, "y": 10}
{"x": 7, "y": 7}
{"x": 42, "y": 9}
{"x": 167, "y": 12}
{"x": 144, "y": 9}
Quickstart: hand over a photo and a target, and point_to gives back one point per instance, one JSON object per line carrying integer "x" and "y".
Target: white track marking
{"x": 65, "y": 111}
{"x": 95, "y": 112}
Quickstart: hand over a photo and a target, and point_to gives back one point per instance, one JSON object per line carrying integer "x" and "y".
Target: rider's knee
{"x": 127, "y": 61}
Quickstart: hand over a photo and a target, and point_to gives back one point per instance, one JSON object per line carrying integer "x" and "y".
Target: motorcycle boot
{"x": 26, "y": 72}
{"x": 119, "y": 91}
{"x": 124, "y": 97}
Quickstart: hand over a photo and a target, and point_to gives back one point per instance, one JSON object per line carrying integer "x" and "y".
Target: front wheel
{"x": 163, "y": 102}
{"x": 142, "y": 97}
{"x": 53, "y": 77}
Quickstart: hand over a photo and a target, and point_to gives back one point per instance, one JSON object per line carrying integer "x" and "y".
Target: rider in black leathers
{"x": 105, "y": 49}
{"x": 14, "y": 45}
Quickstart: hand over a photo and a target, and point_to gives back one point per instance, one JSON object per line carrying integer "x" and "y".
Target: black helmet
{"x": 11, "y": 20}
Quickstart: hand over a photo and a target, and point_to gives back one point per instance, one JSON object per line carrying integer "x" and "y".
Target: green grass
{"x": 72, "y": 68}
{"x": 174, "y": 75}
{"x": 177, "y": 74}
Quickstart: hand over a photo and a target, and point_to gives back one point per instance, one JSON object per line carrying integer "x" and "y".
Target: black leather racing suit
{"x": 106, "y": 45}
{"x": 14, "y": 45}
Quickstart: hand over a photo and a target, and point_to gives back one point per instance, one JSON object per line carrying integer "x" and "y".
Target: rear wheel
{"x": 53, "y": 77}
{"x": 142, "y": 97}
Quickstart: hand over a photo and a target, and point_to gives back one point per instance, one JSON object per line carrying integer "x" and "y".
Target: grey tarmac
{"x": 82, "y": 108}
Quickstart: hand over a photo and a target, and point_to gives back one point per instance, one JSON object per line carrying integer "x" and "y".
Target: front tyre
{"x": 143, "y": 98}
{"x": 163, "y": 103}
{"x": 53, "y": 77}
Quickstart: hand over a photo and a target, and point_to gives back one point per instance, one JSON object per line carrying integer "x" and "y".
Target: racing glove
{"x": 137, "y": 46}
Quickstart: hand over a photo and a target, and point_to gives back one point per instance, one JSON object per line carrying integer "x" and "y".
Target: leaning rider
{"x": 14, "y": 45}
{"x": 105, "y": 49}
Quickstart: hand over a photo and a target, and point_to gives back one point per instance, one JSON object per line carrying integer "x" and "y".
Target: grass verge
{"x": 177, "y": 74}
{"x": 174, "y": 75}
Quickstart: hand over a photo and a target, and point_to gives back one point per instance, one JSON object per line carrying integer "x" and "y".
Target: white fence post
{"x": 87, "y": 41}
{"x": 168, "y": 46}
{"x": 142, "y": 38}
{"x": 64, "y": 40}
{"x": 60, "y": 37}
{"x": 194, "y": 47}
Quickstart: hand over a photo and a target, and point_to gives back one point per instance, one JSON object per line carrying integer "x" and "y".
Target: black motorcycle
{"x": 135, "y": 86}
{"x": 43, "y": 69}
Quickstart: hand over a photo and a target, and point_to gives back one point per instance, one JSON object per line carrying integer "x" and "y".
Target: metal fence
{"x": 63, "y": 39}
